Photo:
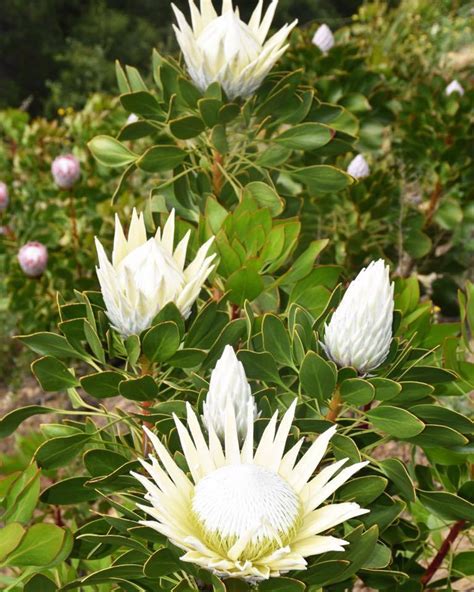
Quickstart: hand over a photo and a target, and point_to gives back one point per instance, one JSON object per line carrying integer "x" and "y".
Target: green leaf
{"x": 317, "y": 377}
{"x": 161, "y": 158}
{"x": 265, "y": 196}
{"x": 305, "y": 136}
{"x": 10, "y": 538}
{"x": 58, "y": 452}
{"x": 12, "y": 420}
{"x": 281, "y": 584}
{"x": 187, "y": 358}
{"x": 463, "y": 563}
{"x": 102, "y": 384}
{"x": 385, "y": 389}
{"x": 68, "y": 491}
{"x": 142, "y": 103}
{"x": 186, "y": 127}
{"x": 39, "y": 547}
{"x": 161, "y": 341}
{"x": 209, "y": 110}
{"x": 230, "y": 335}
{"x": 161, "y": 563}
{"x": 276, "y": 339}
{"x": 363, "y": 490}
{"x": 395, "y": 421}
{"x": 322, "y": 178}
{"x": 139, "y": 389}
{"x": 357, "y": 391}
{"x": 110, "y": 152}
{"x": 101, "y": 462}
{"x": 20, "y": 496}
{"x": 429, "y": 374}
{"x": 40, "y": 583}
{"x": 439, "y": 435}
{"x": 244, "y": 284}
{"x": 53, "y": 375}
{"x": 259, "y": 366}
{"x": 48, "y": 344}
{"x": 395, "y": 470}
{"x": 447, "y": 506}
{"x": 444, "y": 417}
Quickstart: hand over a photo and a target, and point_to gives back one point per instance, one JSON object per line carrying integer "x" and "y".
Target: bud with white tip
{"x": 66, "y": 170}
{"x": 145, "y": 275}
{"x": 358, "y": 167}
{"x": 132, "y": 118}
{"x": 323, "y": 38}
{"x": 454, "y": 87}
{"x": 229, "y": 385}
{"x": 33, "y": 258}
{"x": 4, "y": 196}
{"x": 360, "y": 330}
{"x": 226, "y": 50}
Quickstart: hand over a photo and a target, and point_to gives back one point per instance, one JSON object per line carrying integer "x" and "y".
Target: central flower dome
{"x": 246, "y": 507}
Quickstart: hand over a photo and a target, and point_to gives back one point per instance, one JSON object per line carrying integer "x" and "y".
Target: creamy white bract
{"x": 145, "y": 275}
{"x": 224, "y": 49}
{"x": 323, "y": 38}
{"x": 228, "y": 383}
{"x": 358, "y": 167}
{"x": 360, "y": 330}
{"x": 245, "y": 511}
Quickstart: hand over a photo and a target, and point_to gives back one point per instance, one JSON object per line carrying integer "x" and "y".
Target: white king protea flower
{"x": 228, "y": 383}
{"x": 145, "y": 275}
{"x": 224, "y": 49}
{"x": 454, "y": 87}
{"x": 66, "y": 170}
{"x": 358, "y": 167}
{"x": 245, "y": 513}
{"x": 4, "y": 196}
{"x": 323, "y": 38}
{"x": 33, "y": 258}
{"x": 360, "y": 330}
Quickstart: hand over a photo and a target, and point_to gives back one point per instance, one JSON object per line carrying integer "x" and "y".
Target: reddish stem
{"x": 433, "y": 205}
{"x": 217, "y": 177}
{"x": 443, "y": 551}
{"x": 234, "y": 312}
{"x": 58, "y": 520}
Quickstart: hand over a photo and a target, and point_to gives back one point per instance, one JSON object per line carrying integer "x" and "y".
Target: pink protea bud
{"x": 33, "y": 258}
{"x": 66, "y": 170}
{"x": 4, "y": 197}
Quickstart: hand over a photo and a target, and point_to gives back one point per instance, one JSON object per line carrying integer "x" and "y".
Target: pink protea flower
{"x": 33, "y": 258}
{"x": 4, "y": 197}
{"x": 66, "y": 170}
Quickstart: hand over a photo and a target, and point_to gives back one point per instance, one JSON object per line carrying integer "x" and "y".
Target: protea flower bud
{"x": 454, "y": 87}
{"x": 358, "y": 167}
{"x": 360, "y": 330}
{"x": 323, "y": 38}
{"x": 33, "y": 258}
{"x": 66, "y": 171}
{"x": 228, "y": 385}
{"x": 4, "y": 196}
{"x": 132, "y": 118}
{"x": 226, "y": 50}
{"x": 145, "y": 275}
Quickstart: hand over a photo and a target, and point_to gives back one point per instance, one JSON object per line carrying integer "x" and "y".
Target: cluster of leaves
{"x": 390, "y": 68}
{"x": 256, "y": 174}
{"x": 64, "y": 221}
{"x": 88, "y": 457}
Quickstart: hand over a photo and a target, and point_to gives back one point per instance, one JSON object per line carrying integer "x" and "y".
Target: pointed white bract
{"x": 145, "y": 275}
{"x": 251, "y": 510}
{"x": 66, "y": 170}
{"x": 4, "y": 196}
{"x": 358, "y": 167}
{"x": 323, "y": 38}
{"x": 454, "y": 87}
{"x": 224, "y": 49}
{"x": 360, "y": 330}
{"x": 33, "y": 258}
{"x": 228, "y": 384}
{"x": 132, "y": 118}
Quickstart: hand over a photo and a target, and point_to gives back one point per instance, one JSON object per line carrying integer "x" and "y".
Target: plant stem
{"x": 234, "y": 312}
{"x": 217, "y": 177}
{"x": 433, "y": 205}
{"x": 74, "y": 232}
{"x": 145, "y": 405}
{"x": 334, "y": 406}
{"x": 443, "y": 551}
